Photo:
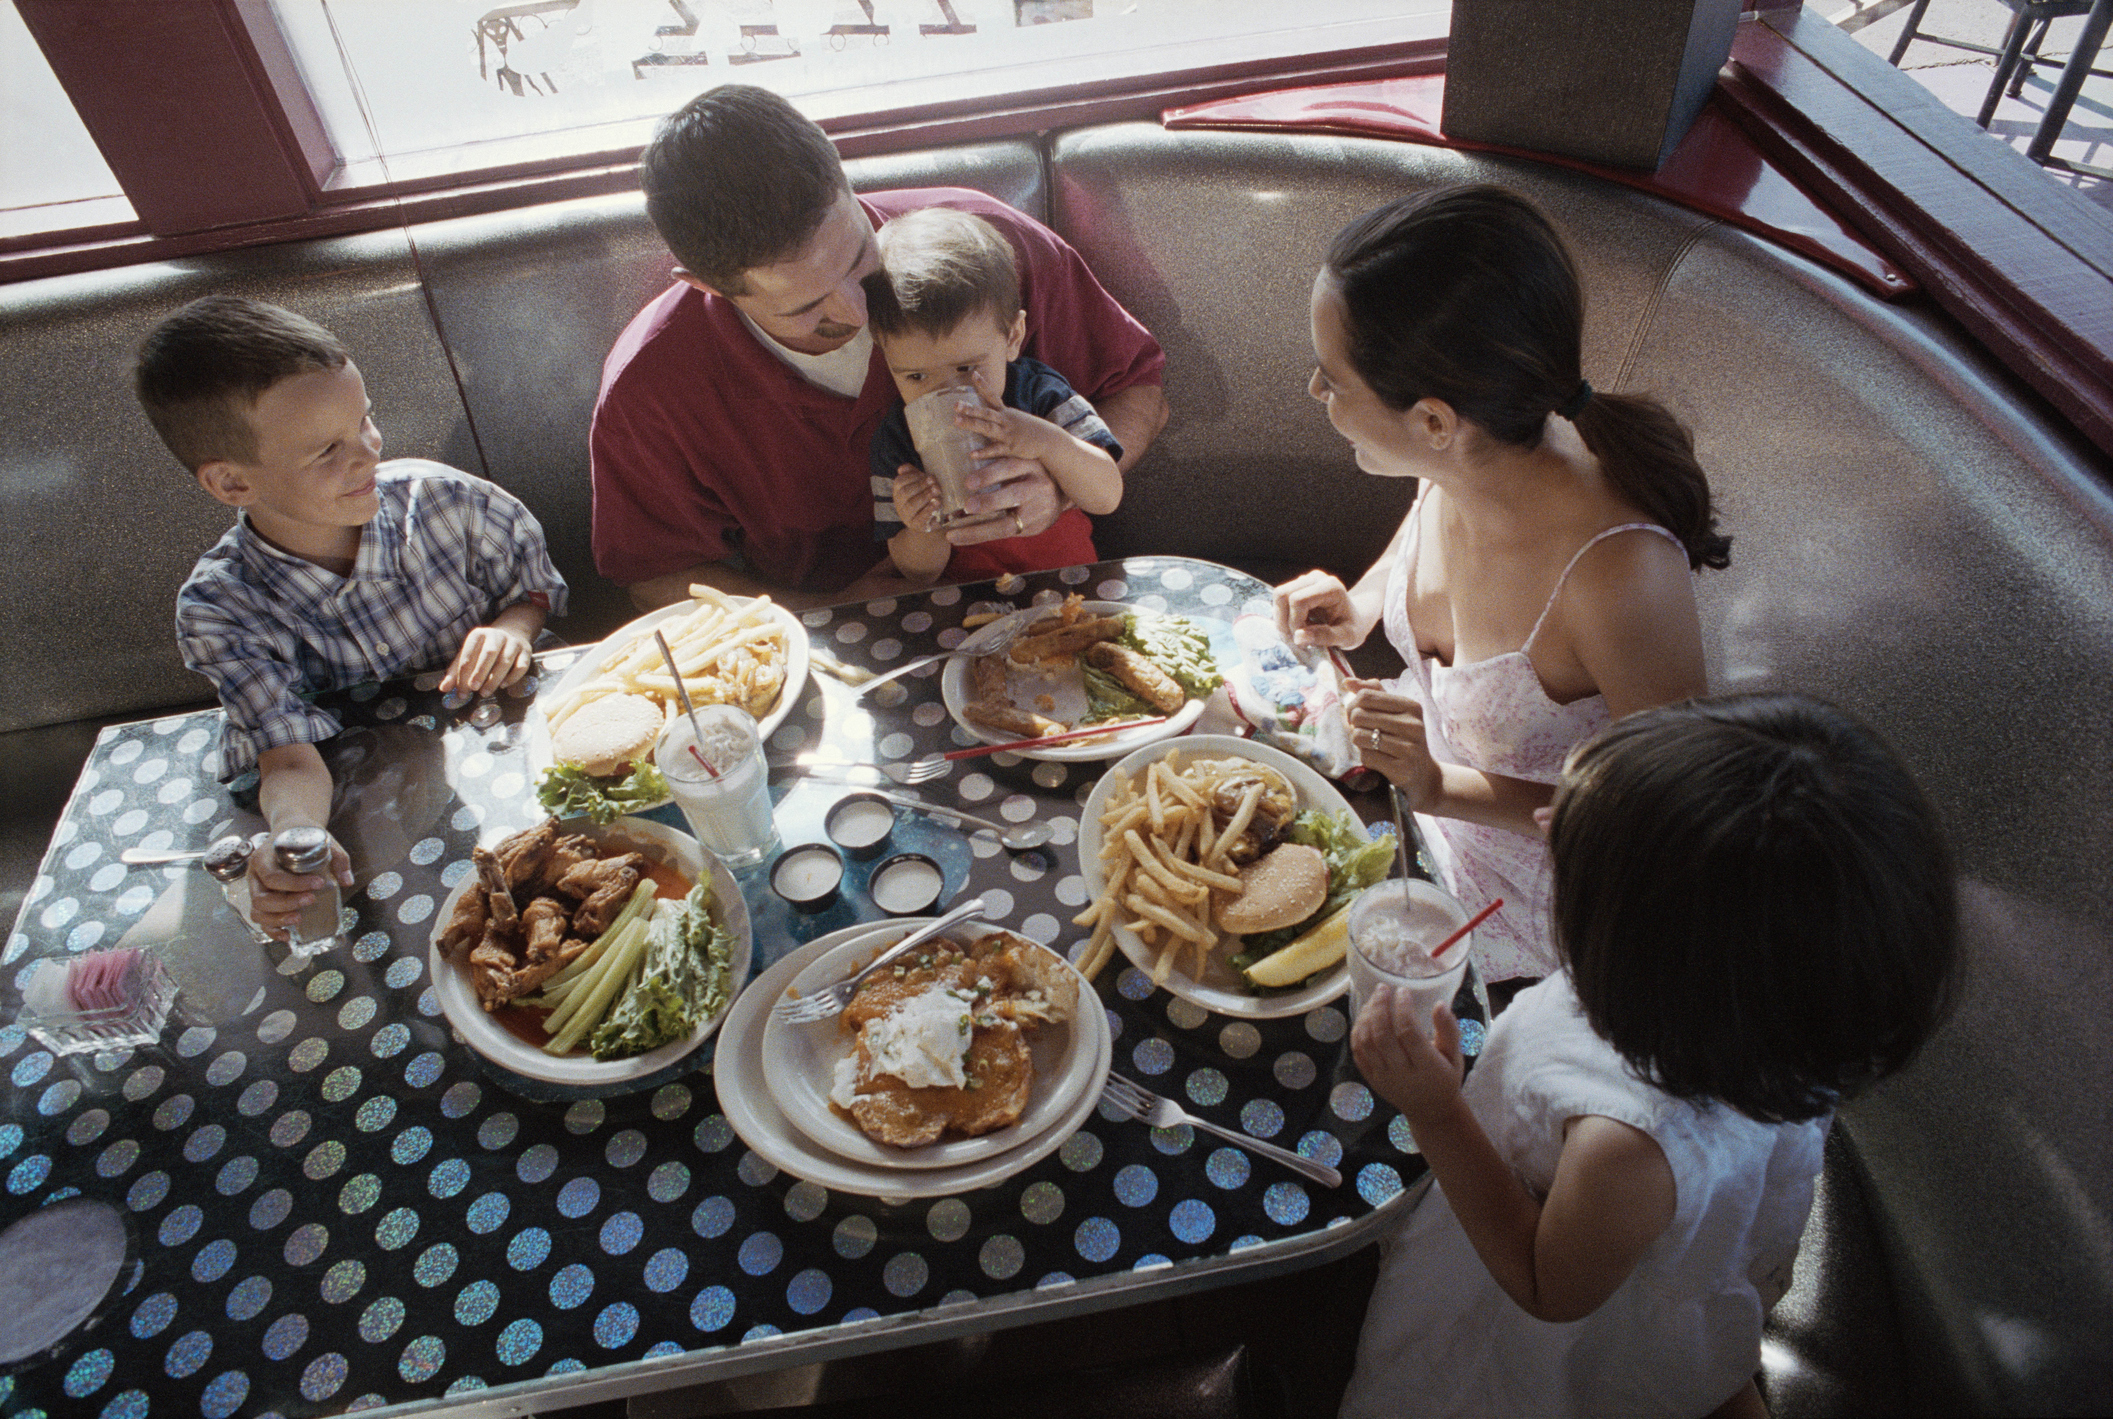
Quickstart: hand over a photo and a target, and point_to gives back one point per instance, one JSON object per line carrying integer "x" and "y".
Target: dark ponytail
{"x": 1468, "y": 295}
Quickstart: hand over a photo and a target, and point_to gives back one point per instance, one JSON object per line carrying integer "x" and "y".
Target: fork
{"x": 983, "y": 642}
{"x": 1135, "y": 1101}
{"x": 917, "y": 771}
{"x": 828, "y": 1003}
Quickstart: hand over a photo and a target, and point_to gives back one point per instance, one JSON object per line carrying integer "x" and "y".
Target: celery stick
{"x": 578, "y": 966}
{"x": 584, "y": 985}
{"x": 624, "y": 963}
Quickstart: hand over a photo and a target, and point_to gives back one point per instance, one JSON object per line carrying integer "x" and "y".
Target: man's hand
{"x": 1018, "y": 494}
{"x": 492, "y": 657}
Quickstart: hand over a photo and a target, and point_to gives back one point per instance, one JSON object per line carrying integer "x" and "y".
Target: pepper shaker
{"x": 303, "y": 851}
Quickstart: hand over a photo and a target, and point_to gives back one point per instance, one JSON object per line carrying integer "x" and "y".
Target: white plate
{"x": 1065, "y": 688}
{"x": 1220, "y": 989}
{"x": 746, "y": 1100}
{"x": 591, "y": 661}
{"x": 458, "y": 999}
{"x": 799, "y": 1063}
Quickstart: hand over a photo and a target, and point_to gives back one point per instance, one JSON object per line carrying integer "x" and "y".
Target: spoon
{"x": 141, "y": 857}
{"x": 1016, "y": 837}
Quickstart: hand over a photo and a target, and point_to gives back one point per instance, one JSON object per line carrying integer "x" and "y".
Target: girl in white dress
{"x": 1541, "y": 585}
{"x": 1755, "y": 909}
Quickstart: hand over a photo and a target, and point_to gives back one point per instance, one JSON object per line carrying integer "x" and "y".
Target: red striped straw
{"x": 1465, "y": 927}
{"x": 1089, "y": 732}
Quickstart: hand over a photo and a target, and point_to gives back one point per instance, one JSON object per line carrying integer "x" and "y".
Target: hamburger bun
{"x": 606, "y": 736}
{"x": 1279, "y": 889}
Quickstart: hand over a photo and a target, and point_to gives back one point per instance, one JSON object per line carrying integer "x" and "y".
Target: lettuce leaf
{"x": 567, "y": 791}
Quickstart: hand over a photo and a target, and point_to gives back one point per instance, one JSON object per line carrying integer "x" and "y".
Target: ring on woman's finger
{"x": 1372, "y": 737}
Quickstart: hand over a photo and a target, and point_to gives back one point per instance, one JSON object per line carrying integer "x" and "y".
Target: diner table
{"x": 331, "y": 1203}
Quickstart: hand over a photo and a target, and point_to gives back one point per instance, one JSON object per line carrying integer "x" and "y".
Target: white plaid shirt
{"x": 445, "y": 554}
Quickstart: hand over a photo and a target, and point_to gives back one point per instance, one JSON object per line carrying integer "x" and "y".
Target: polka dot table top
{"x": 335, "y": 1205}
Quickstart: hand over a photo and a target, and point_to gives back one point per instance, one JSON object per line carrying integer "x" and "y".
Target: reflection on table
{"x": 336, "y": 1204}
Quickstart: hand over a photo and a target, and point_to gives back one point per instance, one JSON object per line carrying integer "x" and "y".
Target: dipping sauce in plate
{"x": 808, "y": 876}
{"x": 907, "y": 884}
{"x": 860, "y": 823}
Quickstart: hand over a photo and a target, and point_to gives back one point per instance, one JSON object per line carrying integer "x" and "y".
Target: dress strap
{"x": 1534, "y": 634}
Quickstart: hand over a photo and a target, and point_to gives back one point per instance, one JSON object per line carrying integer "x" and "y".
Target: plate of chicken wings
{"x": 533, "y": 902}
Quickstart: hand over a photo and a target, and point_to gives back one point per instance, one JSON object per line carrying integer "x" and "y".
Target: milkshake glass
{"x": 1393, "y": 925}
{"x": 727, "y": 804}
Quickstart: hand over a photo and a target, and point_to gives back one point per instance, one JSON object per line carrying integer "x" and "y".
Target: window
{"x": 54, "y": 180}
{"x": 447, "y": 87}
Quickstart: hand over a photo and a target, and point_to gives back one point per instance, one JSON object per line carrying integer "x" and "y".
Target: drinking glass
{"x": 728, "y": 803}
{"x": 947, "y": 450}
{"x": 1393, "y": 925}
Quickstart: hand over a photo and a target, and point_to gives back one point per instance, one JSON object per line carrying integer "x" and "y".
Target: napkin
{"x": 1291, "y": 697}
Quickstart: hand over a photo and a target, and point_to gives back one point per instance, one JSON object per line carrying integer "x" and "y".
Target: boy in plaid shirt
{"x": 339, "y": 569}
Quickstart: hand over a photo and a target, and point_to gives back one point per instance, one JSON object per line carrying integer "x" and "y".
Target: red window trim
{"x": 149, "y": 77}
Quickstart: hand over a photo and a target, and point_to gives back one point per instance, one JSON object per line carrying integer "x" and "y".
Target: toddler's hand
{"x": 1006, "y": 433}
{"x": 1387, "y": 729}
{"x": 491, "y": 658}
{"x": 1417, "y": 1074}
{"x": 916, "y": 498}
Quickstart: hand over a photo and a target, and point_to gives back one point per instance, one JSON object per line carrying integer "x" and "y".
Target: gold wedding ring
{"x": 1019, "y": 528}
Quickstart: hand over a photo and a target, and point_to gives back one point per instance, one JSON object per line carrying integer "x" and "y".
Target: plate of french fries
{"x": 734, "y": 650}
{"x": 1153, "y": 855}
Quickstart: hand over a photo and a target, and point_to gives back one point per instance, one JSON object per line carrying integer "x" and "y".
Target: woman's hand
{"x": 1387, "y": 729}
{"x": 1317, "y": 609}
{"x": 1418, "y": 1074}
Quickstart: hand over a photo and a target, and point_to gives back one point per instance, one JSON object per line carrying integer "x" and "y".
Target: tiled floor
{"x": 1960, "y": 78}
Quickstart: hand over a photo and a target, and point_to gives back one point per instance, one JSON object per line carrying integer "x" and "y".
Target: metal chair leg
{"x": 2008, "y": 64}
{"x": 1907, "y": 35}
{"x": 2033, "y": 47}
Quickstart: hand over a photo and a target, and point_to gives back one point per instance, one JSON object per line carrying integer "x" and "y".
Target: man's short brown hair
{"x": 201, "y": 371}
{"x": 738, "y": 178}
{"x": 938, "y": 267}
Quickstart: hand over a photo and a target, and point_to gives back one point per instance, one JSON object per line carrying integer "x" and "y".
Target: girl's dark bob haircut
{"x": 1755, "y": 901}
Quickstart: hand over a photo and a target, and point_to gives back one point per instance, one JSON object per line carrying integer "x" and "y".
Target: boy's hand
{"x": 1417, "y": 1074}
{"x": 491, "y": 658}
{"x": 916, "y": 497}
{"x": 276, "y": 898}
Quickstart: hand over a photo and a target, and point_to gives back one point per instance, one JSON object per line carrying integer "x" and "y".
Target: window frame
{"x": 1916, "y": 180}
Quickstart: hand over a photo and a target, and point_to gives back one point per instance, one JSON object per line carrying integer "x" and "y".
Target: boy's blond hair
{"x": 201, "y": 371}
{"x": 938, "y": 267}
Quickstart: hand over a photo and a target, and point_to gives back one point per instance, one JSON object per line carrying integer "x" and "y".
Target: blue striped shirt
{"x": 445, "y": 554}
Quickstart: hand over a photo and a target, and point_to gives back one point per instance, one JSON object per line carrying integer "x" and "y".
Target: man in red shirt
{"x": 731, "y": 434}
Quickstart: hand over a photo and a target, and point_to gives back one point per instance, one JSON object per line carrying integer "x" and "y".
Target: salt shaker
{"x": 227, "y": 862}
{"x": 303, "y": 851}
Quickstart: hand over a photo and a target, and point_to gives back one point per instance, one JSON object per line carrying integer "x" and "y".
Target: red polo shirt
{"x": 704, "y": 440}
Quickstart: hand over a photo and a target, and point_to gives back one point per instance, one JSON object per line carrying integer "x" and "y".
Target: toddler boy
{"x": 339, "y": 569}
{"x": 945, "y": 311}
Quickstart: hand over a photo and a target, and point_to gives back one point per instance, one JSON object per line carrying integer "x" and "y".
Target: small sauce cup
{"x": 907, "y": 884}
{"x": 808, "y": 876}
{"x": 861, "y": 824}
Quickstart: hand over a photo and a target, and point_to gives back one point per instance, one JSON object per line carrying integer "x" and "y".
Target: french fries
{"x": 1164, "y": 864}
{"x": 731, "y": 651}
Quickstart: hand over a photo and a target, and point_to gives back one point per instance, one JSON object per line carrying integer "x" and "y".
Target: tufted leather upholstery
{"x": 1918, "y": 538}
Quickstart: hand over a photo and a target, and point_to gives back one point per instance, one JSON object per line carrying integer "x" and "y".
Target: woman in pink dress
{"x": 1543, "y": 581}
